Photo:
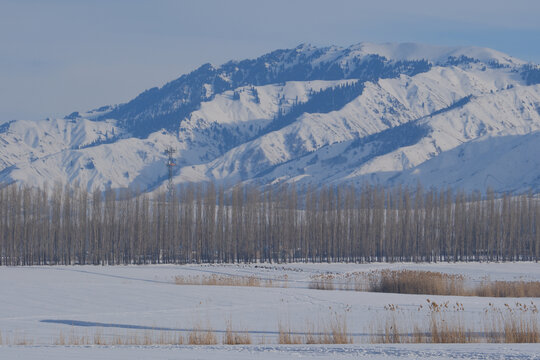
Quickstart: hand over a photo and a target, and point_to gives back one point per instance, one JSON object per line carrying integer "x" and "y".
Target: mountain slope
{"x": 461, "y": 117}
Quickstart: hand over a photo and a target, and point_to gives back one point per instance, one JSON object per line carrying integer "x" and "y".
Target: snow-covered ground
{"x": 285, "y": 352}
{"x": 39, "y": 305}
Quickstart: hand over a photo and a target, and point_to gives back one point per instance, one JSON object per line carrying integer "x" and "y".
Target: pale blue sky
{"x": 58, "y": 56}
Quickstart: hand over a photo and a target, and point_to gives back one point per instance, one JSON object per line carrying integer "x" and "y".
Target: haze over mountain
{"x": 461, "y": 117}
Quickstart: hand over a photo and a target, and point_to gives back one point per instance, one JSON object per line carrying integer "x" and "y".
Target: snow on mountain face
{"x": 235, "y": 117}
{"x": 437, "y": 54}
{"x": 391, "y": 114}
{"x": 27, "y": 141}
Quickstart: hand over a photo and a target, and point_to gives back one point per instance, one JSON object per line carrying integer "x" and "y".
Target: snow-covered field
{"x": 282, "y": 352}
{"x": 40, "y": 305}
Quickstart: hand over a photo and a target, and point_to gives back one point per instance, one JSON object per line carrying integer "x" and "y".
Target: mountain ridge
{"x": 383, "y": 113}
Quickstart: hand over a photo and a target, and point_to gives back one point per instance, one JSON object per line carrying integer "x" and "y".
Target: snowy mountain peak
{"x": 433, "y": 53}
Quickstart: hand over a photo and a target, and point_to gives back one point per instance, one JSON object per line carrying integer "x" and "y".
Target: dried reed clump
{"x": 232, "y": 337}
{"x": 446, "y": 323}
{"x": 22, "y": 340}
{"x": 98, "y": 338}
{"x": 222, "y": 280}
{"x": 74, "y": 339}
{"x": 200, "y": 336}
{"x": 508, "y": 289}
{"x": 322, "y": 282}
{"x": 15, "y": 339}
{"x": 129, "y": 338}
{"x": 286, "y": 335}
{"x": 336, "y": 332}
{"x": 167, "y": 338}
{"x": 513, "y": 324}
{"x": 387, "y": 281}
{"x": 150, "y": 338}
{"x": 416, "y": 282}
{"x": 424, "y": 282}
{"x": 61, "y": 340}
{"x": 333, "y": 331}
{"x": 391, "y": 333}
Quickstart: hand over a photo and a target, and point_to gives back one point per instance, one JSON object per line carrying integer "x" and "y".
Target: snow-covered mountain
{"x": 460, "y": 117}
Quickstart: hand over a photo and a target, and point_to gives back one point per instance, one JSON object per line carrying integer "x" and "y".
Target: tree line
{"x": 208, "y": 223}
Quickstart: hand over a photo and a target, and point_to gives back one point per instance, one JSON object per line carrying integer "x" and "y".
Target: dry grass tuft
{"x": 61, "y": 340}
{"x": 337, "y": 332}
{"x": 98, "y": 338}
{"x": 15, "y": 339}
{"x": 75, "y": 339}
{"x": 168, "y": 338}
{"x": 322, "y": 282}
{"x": 416, "y": 282}
{"x": 232, "y": 337}
{"x": 22, "y": 340}
{"x": 129, "y": 338}
{"x": 286, "y": 336}
{"x": 391, "y": 334}
{"x": 333, "y": 332}
{"x": 423, "y": 282}
{"x": 222, "y": 280}
{"x": 446, "y": 323}
{"x": 200, "y": 336}
{"x": 508, "y": 289}
{"x": 514, "y": 324}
